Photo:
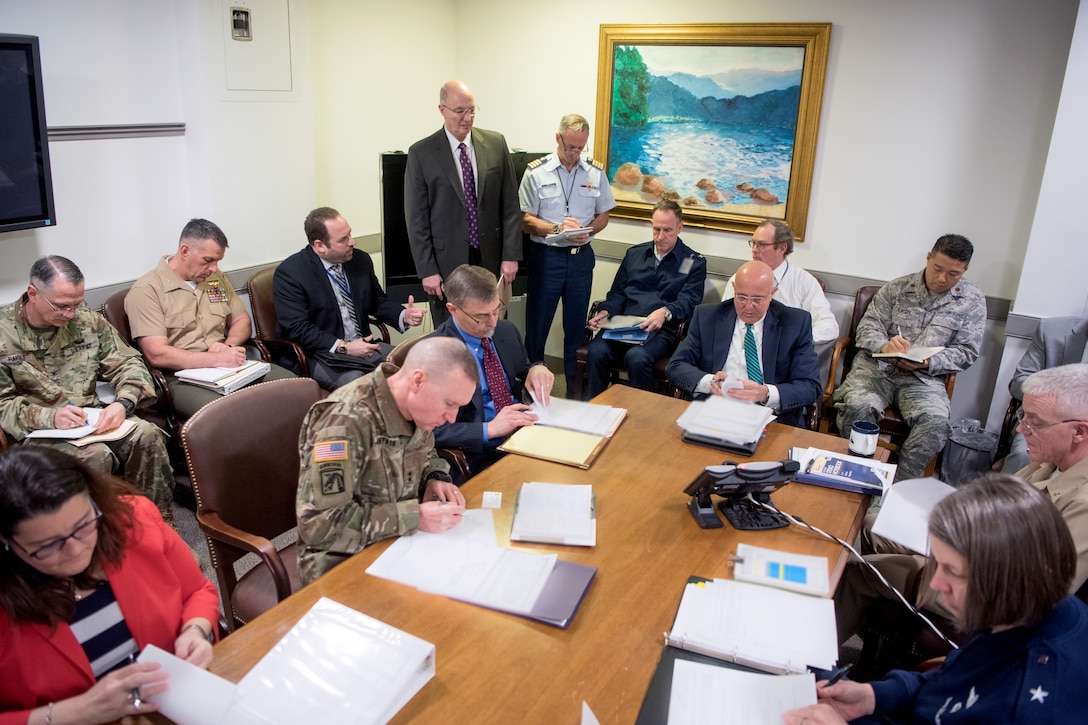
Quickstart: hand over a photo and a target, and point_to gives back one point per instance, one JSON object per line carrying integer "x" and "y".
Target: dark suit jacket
{"x": 306, "y": 307}
{"x": 1058, "y": 341}
{"x": 789, "y": 359}
{"x": 466, "y": 432}
{"x": 434, "y": 204}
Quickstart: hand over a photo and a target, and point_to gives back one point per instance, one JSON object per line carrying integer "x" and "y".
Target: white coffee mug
{"x": 863, "y": 436}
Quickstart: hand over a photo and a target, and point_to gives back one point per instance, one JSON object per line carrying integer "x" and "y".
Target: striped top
{"x": 100, "y": 629}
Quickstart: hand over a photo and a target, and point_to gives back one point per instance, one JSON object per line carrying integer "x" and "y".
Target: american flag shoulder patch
{"x": 331, "y": 451}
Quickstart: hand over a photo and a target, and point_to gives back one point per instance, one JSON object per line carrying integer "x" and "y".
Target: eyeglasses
{"x": 746, "y": 300}
{"x": 79, "y": 533}
{"x": 752, "y": 243}
{"x": 485, "y": 317}
{"x": 1030, "y": 428}
{"x": 61, "y": 308}
{"x": 568, "y": 149}
{"x": 461, "y": 112}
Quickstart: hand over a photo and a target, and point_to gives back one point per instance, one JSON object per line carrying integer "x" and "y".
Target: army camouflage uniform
{"x": 42, "y": 370}
{"x": 955, "y": 320}
{"x": 363, "y": 470}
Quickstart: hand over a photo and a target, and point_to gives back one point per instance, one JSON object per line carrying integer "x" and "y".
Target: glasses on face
{"x": 80, "y": 533}
{"x": 461, "y": 112}
{"x": 568, "y": 149}
{"x": 747, "y": 300}
{"x": 62, "y": 308}
{"x": 1030, "y": 428}
{"x": 485, "y": 317}
{"x": 762, "y": 245}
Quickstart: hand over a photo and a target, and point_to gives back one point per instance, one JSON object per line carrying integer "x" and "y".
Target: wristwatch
{"x": 128, "y": 405}
{"x": 342, "y": 348}
{"x": 556, "y": 228}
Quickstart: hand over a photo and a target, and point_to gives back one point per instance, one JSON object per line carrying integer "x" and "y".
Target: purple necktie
{"x": 470, "y": 198}
{"x": 496, "y": 380}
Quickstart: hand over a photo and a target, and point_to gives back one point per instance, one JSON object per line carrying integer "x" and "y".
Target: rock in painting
{"x": 763, "y": 196}
{"x": 706, "y": 184}
{"x": 653, "y": 186}
{"x": 691, "y": 201}
{"x": 713, "y": 196}
{"x": 745, "y": 188}
{"x": 628, "y": 174}
{"x": 671, "y": 195}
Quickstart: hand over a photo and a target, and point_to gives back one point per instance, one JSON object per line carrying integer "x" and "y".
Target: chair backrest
{"x": 262, "y": 302}
{"x": 401, "y": 350}
{"x": 113, "y": 309}
{"x": 862, "y": 298}
{"x": 242, "y": 451}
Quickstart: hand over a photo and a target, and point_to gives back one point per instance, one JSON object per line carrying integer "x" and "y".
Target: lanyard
{"x": 573, "y": 178}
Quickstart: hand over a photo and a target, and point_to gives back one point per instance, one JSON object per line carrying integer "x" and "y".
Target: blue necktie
{"x": 751, "y": 355}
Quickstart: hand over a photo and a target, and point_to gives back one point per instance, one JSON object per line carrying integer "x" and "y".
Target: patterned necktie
{"x": 496, "y": 381}
{"x": 343, "y": 291}
{"x": 751, "y": 356}
{"x": 470, "y": 198}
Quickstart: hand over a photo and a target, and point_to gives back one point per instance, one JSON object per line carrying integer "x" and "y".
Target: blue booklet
{"x": 633, "y": 334}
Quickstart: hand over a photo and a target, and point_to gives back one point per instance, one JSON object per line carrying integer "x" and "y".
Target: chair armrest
{"x": 165, "y": 403}
{"x": 4, "y": 445}
{"x": 1008, "y": 428}
{"x": 219, "y": 530}
{"x": 284, "y": 348}
{"x": 456, "y": 458}
{"x": 592, "y": 311}
{"x": 836, "y": 354}
{"x": 383, "y": 331}
{"x": 950, "y": 384}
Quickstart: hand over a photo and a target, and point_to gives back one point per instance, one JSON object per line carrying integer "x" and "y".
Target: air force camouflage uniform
{"x": 954, "y": 320}
{"x": 42, "y": 370}
{"x": 363, "y": 470}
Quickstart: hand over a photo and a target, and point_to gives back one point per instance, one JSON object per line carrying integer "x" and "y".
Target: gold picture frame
{"x": 723, "y": 119}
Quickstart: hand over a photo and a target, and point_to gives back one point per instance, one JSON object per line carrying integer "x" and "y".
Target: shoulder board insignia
{"x": 537, "y": 162}
{"x": 595, "y": 162}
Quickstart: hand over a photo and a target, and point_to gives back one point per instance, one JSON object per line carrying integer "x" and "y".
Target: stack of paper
{"x": 726, "y": 419}
{"x": 225, "y": 380}
{"x": 703, "y": 693}
{"x": 602, "y": 420}
{"x": 555, "y": 513}
{"x": 466, "y": 563}
{"x": 904, "y": 517}
{"x": 762, "y": 627}
{"x": 568, "y": 431}
{"x": 785, "y": 570}
{"x": 844, "y": 472}
{"x": 335, "y": 666}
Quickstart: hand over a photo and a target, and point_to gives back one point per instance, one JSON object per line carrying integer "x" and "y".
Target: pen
{"x": 898, "y": 330}
{"x": 835, "y": 677}
{"x": 134, "y": 693}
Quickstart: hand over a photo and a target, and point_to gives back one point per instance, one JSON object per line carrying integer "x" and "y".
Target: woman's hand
{"x": 192, "y": 646}
{"x": 112, "y": 697}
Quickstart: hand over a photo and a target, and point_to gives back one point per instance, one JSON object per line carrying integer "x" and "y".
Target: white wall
{"x": 245, "y": 161}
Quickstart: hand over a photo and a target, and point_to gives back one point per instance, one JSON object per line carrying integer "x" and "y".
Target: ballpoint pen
{"x": 838, "y": 675}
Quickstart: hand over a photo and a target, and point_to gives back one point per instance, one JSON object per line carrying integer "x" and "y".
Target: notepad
{"x": 569, "y": 447}
{"x": 703, "y": 694}
{"x": 915, "y": 354}
{"x": 86, "y": 434}
{"x": 762, "y": 627}
{"x": 225, "y": 380}
{"x": 555, "y": 513}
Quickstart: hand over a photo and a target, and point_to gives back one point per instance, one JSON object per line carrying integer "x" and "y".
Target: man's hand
{"x": 896, "y": 344}
{"x": 413, "y": 315}
{"x": 654, "y": 320}
{"x": 911, "y": 365}
{"x": 572, "y": 223}
{"x": 539, "y": 381}
{"x": 508, "y": 420}
{"x": 597, "y": 319}
{"x": 508, "y": 269}
{"x": 69, "y": 417}
{"x": 111, "y": 416}
{"x": 752, "y": 392}
{"x": 838, "y": 703}
{"x": 226, "y": 356}
{"x": 361, "y": 347}
{"x": 433, "y": 285}
{"x": 441, "y": 508}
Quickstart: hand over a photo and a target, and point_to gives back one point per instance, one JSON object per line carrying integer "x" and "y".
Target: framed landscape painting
{"x": 721, "y": 119}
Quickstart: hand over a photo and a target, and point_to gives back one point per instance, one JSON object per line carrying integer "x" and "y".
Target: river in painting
{"x": 681, "y": 153}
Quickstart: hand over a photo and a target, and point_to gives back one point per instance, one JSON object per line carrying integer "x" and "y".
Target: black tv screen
{"x": 26, "y": 184}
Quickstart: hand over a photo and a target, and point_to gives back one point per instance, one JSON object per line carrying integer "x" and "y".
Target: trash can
{"x": 969, "y": 452}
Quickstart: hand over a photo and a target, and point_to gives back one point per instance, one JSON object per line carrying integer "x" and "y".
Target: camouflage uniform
{"x": 363, "y": 470}
{"x": 42, "y": 370}
{"x": 955, "y": 320}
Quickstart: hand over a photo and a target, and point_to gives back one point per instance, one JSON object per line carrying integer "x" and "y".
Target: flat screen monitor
{"x": 26, "y": 183}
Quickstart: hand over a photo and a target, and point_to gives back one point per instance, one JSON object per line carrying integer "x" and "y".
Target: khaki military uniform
{"x": 44, "y": 369}
{"x": 162, "y": 304}
{"x": 363, "y": 470}
{"x": 955, "y": 320}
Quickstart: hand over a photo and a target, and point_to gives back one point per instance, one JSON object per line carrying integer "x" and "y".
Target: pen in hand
{"x": 899, "y": 331}
{"x": 839, "y": 674}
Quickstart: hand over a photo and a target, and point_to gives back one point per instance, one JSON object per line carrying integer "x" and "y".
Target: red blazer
{"x": 159, "y": 586}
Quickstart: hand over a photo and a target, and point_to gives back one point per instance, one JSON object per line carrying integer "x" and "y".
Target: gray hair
{"x": 573, "y": 122}
{"x": 52, "y": 267}
{"x": 1066, "y": 384}
{"x": 197, "y": 230}
{"x": 470, "y": 283}
{"x": 783, "y": 234}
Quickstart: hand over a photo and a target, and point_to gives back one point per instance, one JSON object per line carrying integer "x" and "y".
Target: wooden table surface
{"x": 499, "y": 668}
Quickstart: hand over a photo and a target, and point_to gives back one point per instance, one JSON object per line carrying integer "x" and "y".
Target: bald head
{"x": 437, "y": 378}
{"x": 754, "y": 287}
{"x": 440, "y": 356}
{"x": 458, "y": 108}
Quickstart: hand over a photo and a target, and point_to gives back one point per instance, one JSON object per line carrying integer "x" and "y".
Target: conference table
{"x": 493, "y": 667}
